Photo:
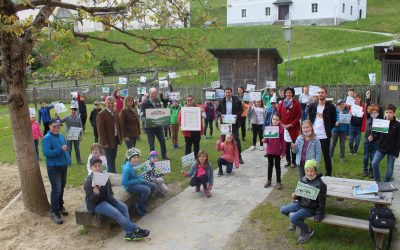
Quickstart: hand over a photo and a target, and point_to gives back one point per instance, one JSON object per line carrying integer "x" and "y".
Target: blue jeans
{"x": 298, "y": 214}
{"x": 77, "y": 150}
{"x": 355, "y": 138}
{"x": 369, "y": 152}
{"x": 389, "y": 166}
{"x": 206, "y": 123}
{"x": 58, "y": 179}
{"x": 145, "y": 189}
{"x": 228, "y": 165}
{"x": 118, "y": 212}
{"x": 159, "y": 133}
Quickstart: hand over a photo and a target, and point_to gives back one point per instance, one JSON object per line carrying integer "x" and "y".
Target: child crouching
{"x": 201, "y": 173}
{"x": 151, "y": 175}
{"x": 302, "y": 207}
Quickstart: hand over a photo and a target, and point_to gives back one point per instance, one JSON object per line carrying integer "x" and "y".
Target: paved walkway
{"x": 396, "y": 201}
{"x": 184, "y": 221}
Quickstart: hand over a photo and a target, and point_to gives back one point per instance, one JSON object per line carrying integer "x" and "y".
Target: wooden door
{"x": 283, "y": 12}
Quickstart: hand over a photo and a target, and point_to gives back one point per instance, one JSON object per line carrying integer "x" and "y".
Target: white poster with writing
{"x": 122, "y": 80}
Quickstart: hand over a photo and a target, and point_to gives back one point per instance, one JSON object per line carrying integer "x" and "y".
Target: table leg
{"x": 379, "y": 238}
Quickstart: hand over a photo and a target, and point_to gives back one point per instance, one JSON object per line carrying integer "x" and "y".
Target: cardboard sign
{"x": 215, "y": 85}
{"x": 225, "y": 129}
{"x": 306, "y": 191}
{"x": 59, "y": 108}
{"x": 344, "y": 118}
{"x": 157, "y": 117}
{"x": 174, "y": 96}
{"x": 188, "y": 160}
{"x": 271, "y": 132}
{"x": 172, "y": 75}
{"x": 73, "y": 133}
{"x": 162, "y": 167}
{"x": 122, "y": 80}
{"x": 141, "y": 90}
{"x": 191, "y": 119}
{"x": 250, "y": 87}
{"x": 313, "y": 90}
{"x": 123, "y": 92}
{"x": 246, "y": 97}
{"x": 380, "y": 125}
{"x": 298, "y": 90}
{"x": 219, "y": 94}
{"x": 255, "y": 96}
{"x": 210, "y": 95}
{"x": 270, "y": 84}
{"x": 100, "y": 179}
{"x": 105, "y": 90}
{"x": 32, "y": 112}
{"x": 228, "y": 119}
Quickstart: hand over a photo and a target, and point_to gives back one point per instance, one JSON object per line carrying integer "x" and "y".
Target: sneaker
{"x": 287, "y": 165}
{"x": 252, "y": 148}
{"x": 305, "y": 236}
{"x": 56, "y": 217}
{"x": 241, "y": 161}
{"x": 261, "y": 148}
{"x": 292, "y": 227}
{"x": 64, "y": 211}
{"x": 143, "y": 232}
{"x": 268, "y": 184}
{"x": 133, "y": 236}
{"x": 220, "y": 173}
{"x": 139, "y": 211}
{"x": 365, "y": 173}
{"x": 197, "y": 188}
{"x": 207, "y": 193}
{"x": 278, "y": 186}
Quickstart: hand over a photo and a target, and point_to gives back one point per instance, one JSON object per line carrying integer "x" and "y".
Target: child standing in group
{"x": 358, "y": 124}
{"x": 389, "y": 145}
{"x": 370, "y": 140}
{"x": 201, "y": 173}
{"x": 97, "y": 151}
{"x": 276, "y": 150}
{"x": 209, "y": 115}
{"x": 134, "y": 183}
{"x": 151, "y": 175}
{"x": 340, "y": 131}
{"x": 37, "y": 133}
{"x": 230, "y": 154}
{"x": 307, "y": 147}
{"x": 257, "y": 117}
{"x": 302, "y": 207}
{"x": 174, "y": 110}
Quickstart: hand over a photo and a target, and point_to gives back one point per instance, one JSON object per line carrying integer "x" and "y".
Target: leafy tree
{"x": 107, "y": 66}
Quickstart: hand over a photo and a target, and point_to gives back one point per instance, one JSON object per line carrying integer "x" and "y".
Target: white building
{"x": 301, "y": 12}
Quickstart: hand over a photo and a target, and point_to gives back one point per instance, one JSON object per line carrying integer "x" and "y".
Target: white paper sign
{"x": 250, "y": 87}
{"x": 344, "y": 118}
{"x": 215, "y": 84}
{"x": 73, "y": 133}
{"x": 74, "y": 94}
{"x": 225, "y": 129}
{"x": 210, "y": 95}
{"x": 306, "y": 191}
{"x": 163, "y": 83}
{"x": 141, "y": 90}
{"x": 122, "y": 80}
{"x": 349, "y": 101}
{"x": 219, "y": 93}
{"x": 270, "y": 84}
{"x": 255, "y": 96}
{"x": 286, "y": 136}
{"x": 191, "y": 119}
{"x": 271, "y": 132}
{"x": 100, "y": 179}
{"x": 380, "y": 125}
{"x": 188, "y": 160}
{"x": 246, "y": 97}
{"x": 123, "y": 92}
{"x": 298, "y": 91}
{"x": 172, "y": 75}
{"x": 357, "y": 111}
{"x": 228, "y": 119}
{"x": 32, "y": 112}
{"x": 59, "y": 108}
{"x": 162, "y": 167}
{"x": 105, "y": 90}
{"x": 372, "y": 78}
{"x": 174, "y": 95}
{"x": 313, "y": 90}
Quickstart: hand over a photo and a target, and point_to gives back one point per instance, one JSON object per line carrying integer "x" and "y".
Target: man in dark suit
{"x": 231, "y": 105}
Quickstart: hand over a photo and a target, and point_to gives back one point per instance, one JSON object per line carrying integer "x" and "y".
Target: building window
{"x": 243, "y": 12}
{"x": 314, "y": 8}
{"x": 351, "y": 10}
{"x": 343, "y": 8}
{"x": 267, "y": 11}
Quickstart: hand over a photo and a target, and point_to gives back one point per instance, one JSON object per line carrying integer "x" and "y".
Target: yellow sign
{"x": 393, "y": 87}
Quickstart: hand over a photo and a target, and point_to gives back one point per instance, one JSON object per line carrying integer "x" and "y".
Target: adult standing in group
{"x": 82, "y": 112}
{"x": 55, "y": 150}
{"x": 92, "y": 119}
{"x": 44, "y": 116}
{"x": 290, "y": 111}
{"x": 130, "y": 122}
{"x": 231, "y": 105}
{"x": 323, "y": 117}
{"x": 243, "y": 117}
{"x": 110, "y": 133}
{"x": 304, "y": 100}
{"x": 152, "y": 132}
{"x": 191, "y": 137}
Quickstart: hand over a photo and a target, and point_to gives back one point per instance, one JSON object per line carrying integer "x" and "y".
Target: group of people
{"x": 306, "y": 127}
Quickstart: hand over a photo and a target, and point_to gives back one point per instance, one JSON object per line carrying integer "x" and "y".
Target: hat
{"x": 94, "y": 160}
{"x": 153, "y": 154}
{"x": 132, "y": 152}
{"x": 96, "y": 102}
{"x": 55, "y": 121}
{"x": 311, "y": 164}
{"x": 340, "y": 101}
{"x": 74, "y": 106}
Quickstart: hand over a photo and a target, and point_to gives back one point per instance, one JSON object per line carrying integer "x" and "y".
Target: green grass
{"x": 215, "y": 11}
{"x": 77, "y": 173}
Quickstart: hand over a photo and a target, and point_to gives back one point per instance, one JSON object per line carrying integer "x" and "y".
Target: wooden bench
{"x": 93, "y": 221}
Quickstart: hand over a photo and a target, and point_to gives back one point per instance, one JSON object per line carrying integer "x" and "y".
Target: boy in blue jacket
{"x": 44, "y": 115}
{"x": 340, "y": 131}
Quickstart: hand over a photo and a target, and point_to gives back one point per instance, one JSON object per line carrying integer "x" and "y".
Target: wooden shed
{"x": 238, "y": 67}
{"x": 390, "y": 69}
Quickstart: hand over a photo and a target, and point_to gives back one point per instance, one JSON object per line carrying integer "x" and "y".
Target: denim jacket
{"x": 313, "y": 149}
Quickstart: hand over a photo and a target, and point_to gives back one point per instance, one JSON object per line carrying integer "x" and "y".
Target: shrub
{"x": 107, "y": 66}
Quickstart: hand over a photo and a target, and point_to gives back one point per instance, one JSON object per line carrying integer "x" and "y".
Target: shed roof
{"x": 252, "y": 51}
{"x": 379, "y": 51}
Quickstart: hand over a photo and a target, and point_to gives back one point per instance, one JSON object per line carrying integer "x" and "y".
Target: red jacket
{"x": 230, "y": 152}
{"x": 277, "y": 146}
{"x": 291, "y": 116}
{"x": 205, "y": 108}
{"x": 119, "y": 101}
{"x": 188, "y": 133}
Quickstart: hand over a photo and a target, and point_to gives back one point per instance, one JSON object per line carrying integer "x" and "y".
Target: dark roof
{"x": 253, "y": 51}
{"x": 379, "y": 51}
{"x": 281, "y": 2}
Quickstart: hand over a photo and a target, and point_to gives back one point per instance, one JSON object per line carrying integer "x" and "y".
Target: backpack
{"x": 381, "y": 217}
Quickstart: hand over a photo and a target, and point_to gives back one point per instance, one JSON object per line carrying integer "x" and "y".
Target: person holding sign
{"x": 230, "y": 155}
{"x": 358, "y": 123}
{"x": 134, "y": 183}
{"x": 44, "y": 116}
{"x": 257, "y": 114}
{"x": 174, "y": 109}
{"x": 100, "y": 200}
{"x": 370, "y": 140}
{"x": 303, "y": 207}
{"x": 340, "y": 130}
{"x": 389, "y": 145}
{"x": 119, "y": 100}
{"x": 152, "y": 176}
{"x": 209, "y": 117}
{"x": 73, "y": 122}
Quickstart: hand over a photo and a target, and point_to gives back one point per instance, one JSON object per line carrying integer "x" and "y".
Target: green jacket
{"x": 174, "y": 113}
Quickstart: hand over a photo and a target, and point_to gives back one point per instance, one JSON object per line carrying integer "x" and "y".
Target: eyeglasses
{"x": 189, "y": 100}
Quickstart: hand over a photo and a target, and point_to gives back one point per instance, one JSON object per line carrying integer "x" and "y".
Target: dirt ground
{"x": 20, "y": 229}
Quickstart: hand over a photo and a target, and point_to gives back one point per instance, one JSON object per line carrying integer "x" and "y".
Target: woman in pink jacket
{"x": 37, "y": 133}
{"x": 230, "y": 154}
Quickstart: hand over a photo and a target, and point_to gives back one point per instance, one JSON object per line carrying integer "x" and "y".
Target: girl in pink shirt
{"x": 201, "y": 173}
{"x": 37, "y": 133}
{"x": 230, "y": 154}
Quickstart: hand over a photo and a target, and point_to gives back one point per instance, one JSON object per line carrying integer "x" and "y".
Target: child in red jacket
{"x": 37, "y": 133}
{"x": 276, "y": 150}
{"x": 230, "y": 154}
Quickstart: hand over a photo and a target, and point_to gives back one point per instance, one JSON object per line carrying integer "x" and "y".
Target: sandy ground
{"x": 20, "y": 229}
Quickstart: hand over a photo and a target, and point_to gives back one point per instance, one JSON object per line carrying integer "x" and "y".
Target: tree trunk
{"x": 13, "y": 56}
